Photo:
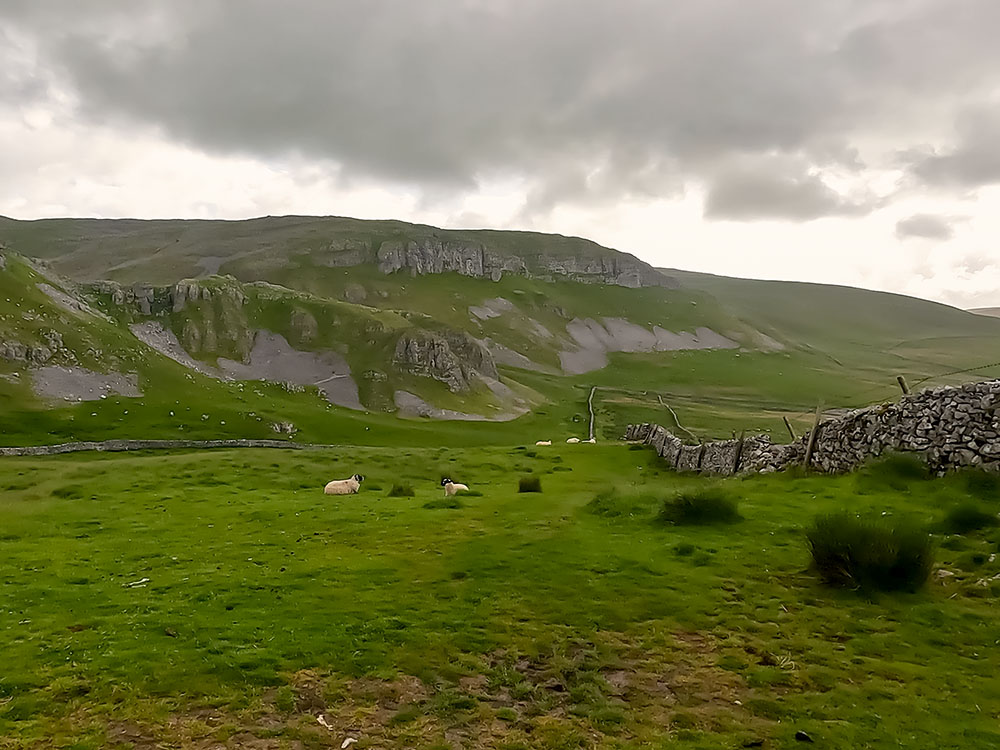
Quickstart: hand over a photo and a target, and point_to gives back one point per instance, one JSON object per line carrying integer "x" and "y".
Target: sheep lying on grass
{"x": 344, "y": 486}
{"x": 543, "y": 442}
{"x": 453, "y": 488}
{"x": 573, "y": 440}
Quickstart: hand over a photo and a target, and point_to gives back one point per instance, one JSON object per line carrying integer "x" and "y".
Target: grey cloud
{"x": 444, "y": 93}
{"x": 974, "y": 263}
{"x": 973, "y": 162}
{"x": 927, "y": 226}
{"x": 778, "y": 189}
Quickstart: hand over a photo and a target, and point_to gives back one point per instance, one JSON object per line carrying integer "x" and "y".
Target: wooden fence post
{"x": 902, "y": 385}
{"x": 788, "y": 426}
{"x": 812, "y": 437}
{"x": 739, "y": 452}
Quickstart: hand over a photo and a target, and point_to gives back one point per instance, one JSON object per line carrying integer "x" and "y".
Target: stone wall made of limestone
{"x": 950, "y": 426}
{"x": 139, "y": 445}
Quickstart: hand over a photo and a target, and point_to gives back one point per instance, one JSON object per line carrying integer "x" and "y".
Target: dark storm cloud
{"x": 579, "y": 97}
{"x": 927, "y": 226}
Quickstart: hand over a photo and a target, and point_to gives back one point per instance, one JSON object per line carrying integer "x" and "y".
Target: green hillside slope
{"x": 342, "y": 327}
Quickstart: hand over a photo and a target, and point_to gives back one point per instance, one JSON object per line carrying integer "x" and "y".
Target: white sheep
{"x": 344, "y": 486}
{"x": 573, "y": 440}
{"x": 592, "y": 440}
{"x": 543, "y": 442}
{"x": 452, "y": 488}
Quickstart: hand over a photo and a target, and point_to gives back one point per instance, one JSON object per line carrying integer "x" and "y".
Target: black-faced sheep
{"x": 452, "y": 488}
{"x": 344, "y": 486}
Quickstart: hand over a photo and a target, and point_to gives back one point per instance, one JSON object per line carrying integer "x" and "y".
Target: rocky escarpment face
{"x": 455, "y": 359}
{"x": 430, "y": 256}
{"x": 435, "y": 256}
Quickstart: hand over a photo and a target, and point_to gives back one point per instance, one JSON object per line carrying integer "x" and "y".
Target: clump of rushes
{"x": 529, "y": 484}
{"x": 870, "y": 554}
{"x": 403, "y": 489}
{"x": 700, "y": 507}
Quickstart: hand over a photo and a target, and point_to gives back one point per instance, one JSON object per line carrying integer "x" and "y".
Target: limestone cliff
{"x": 453, "y": 358}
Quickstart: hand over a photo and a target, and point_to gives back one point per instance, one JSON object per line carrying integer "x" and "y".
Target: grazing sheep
{"x": 573, "y": 440}
{"x": 543, "y": 442}
{"x": 452, "y": 488}
{"x": 344, "y": 486}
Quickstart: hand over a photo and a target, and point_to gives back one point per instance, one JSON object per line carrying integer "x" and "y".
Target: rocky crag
{"x": 950, "y": 427}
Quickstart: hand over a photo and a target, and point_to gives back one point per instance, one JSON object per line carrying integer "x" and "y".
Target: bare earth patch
{"x": 581, "y": 695}
{"x": 595, "y": 339}
{"x": 273, "y": 358}
{"x": 80, "y": 384}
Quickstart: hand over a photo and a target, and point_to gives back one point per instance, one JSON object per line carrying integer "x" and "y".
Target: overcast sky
{"x": 849, "y": 141}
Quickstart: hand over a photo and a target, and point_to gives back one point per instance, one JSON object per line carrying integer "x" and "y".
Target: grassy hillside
{"x": 218, "y": 598}
{"x": 798, "y": 344}
{"x": 164, "y": 251}
{"x": 993, "y": 312}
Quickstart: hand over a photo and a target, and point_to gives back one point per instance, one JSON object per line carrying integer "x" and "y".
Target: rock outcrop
{"x": 453, "y": 358}
{"x": 950, "y": 427}
{"x": 36, "y": 353}
{"x": 428, "y": 255}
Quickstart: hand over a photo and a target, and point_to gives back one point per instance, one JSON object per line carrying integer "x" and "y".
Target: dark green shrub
{"x": 529, "y": 484}
{"x": 870, "y": 554}
{"x": 402, "y": 489}
{"x": 968, "y": 517}
{"x": 703, "y": 506}
{"x": 685, "y": 549}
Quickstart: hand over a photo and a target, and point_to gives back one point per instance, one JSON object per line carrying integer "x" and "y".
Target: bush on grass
{"x": 700, "y": 507}
{"x": 870, "y": 554}
{"x": 402, "y": 489}
{"x": 967, "y": 517}
{"x": 529, "y": 484}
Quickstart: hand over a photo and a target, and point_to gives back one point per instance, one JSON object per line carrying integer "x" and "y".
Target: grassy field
{"x": 218, "y": 599}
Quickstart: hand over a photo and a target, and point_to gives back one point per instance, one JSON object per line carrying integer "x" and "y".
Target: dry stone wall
{"x": 950, "y": 427}
{"x": 140, "y": 445}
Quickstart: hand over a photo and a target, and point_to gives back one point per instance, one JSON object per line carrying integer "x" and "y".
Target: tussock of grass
{"x": 444, "y": 502}
{"x": 699, "y": 507}
{"x": 967, "y": 517}
{"x": 895, "y": 471}
{"x": 529, "y": 484}
{"x": 983, "y": 485}
{"x": 870, "y": 554}
{"x": 401, "y": 489}
{"x": 610, "y": 503}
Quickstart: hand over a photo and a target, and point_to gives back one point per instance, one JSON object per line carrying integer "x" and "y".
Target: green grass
{"x": 404, "y": 489}
{"x": 542, "y": 622}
